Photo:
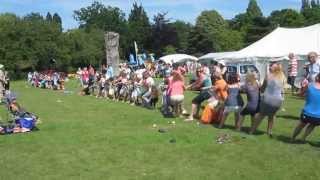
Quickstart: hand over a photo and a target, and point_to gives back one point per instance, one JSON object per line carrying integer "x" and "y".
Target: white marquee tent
{"x": 214, "y": 56}
{"x": 280, "y": 43}
{"x": 177, "y": 58}
{"x": 276, "y": 46}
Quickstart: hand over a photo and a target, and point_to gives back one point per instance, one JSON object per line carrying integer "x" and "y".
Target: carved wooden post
{"x": 112, "y": 50}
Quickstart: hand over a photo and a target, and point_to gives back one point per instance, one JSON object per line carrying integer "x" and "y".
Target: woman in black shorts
{"x": 204, "y": 84}
{"x": 310, "y": 116}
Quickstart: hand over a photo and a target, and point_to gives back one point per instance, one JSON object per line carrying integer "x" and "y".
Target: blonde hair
{"x": 251, "y": 78}
{"x": 278, "y": 73}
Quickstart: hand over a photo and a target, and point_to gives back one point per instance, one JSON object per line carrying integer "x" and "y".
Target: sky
{"x": 186, "y": 10}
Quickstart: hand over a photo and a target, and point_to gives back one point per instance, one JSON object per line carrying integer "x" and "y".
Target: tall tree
{"x": 99, "y": 16}
{"x": 163, "y": 34}
{"x": 183, "y": 30}
{"x": 139, "y": 27}
{"x": 57, "y": 20}
{"x": 314, "y": 4}
{"x": 305, "y": 4}
{"x": 253, "y": 10}
{"x": 49, "y": 17}
{"x": 258, "y": 29}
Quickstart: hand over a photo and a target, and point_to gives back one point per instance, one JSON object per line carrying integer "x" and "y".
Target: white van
{"x": 242, "y": 70}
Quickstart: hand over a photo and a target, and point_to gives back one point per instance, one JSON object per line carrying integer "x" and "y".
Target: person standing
{"x": 271, "y": 101}
{"x": 2, "y": 82}
{"x": 310, "y": 116}
{"x": 313, "y": 69}
{"x": 292, "y": 71}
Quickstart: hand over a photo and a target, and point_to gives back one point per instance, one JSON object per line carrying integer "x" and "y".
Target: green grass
{"x": 89, "y": 138}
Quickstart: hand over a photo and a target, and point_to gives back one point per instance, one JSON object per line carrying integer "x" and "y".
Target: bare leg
{"x": 223, "y": 119}
{"x": 298, "y": 129}
{"x": 307, "y": 132}
{"x": 270, "y": 124}
{"x": 257, "y": 120}
{"x": 239, "y": 123}
{"x": 252, "y": 120}
{"x": 193, "y": 111}
{"x": 237, "y": 118}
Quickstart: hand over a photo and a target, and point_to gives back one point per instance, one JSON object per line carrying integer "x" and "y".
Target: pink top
{"x": 176, "y": 88}
{"x": 85, "y": 75}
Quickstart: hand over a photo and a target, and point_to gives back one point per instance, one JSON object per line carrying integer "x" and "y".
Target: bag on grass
{"x": 209, "y": 115}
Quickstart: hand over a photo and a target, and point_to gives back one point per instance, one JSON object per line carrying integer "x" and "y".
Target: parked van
{"x": 242, "y": 70}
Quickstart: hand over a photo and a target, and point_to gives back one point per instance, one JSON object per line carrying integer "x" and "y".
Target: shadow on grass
{"x": 315, "y": 144}
{"x": 243, "y": 129}
{"x": 289, "y": 117}
{"x": 288, "y": 140}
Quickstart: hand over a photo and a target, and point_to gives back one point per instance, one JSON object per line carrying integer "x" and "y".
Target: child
{"x": 234, "y": 101}
{"x": 252, "y": 90}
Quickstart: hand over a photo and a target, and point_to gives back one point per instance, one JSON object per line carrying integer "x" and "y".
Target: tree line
{"x": 35, "y": 42}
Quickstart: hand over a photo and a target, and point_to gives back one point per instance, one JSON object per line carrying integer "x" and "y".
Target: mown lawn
{"x": 89, "y": 138}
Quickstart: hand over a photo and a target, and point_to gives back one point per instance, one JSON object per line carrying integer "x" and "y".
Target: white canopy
{"x": 177, "y": 58}
{"x": 280, "y": 43}
{"x": 214, "y": 56}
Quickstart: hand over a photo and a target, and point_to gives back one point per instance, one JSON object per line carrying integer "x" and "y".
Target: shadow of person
{"x": 243, "y": 129}
{"x": 289, "y": 117}
{"x": 288, "y": 140}
{"x": 315, "y": 144}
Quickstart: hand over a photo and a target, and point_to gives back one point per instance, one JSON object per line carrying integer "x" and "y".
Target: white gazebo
{"x": 177, "y": 58}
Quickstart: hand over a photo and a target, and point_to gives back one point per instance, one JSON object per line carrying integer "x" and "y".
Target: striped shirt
{"x": 293, "y": 67}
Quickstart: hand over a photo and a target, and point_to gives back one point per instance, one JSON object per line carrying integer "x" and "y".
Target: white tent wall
{"x": 277, "y": 45}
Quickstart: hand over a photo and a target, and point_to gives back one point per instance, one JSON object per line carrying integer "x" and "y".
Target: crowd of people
{"x": 222, "y": 92}
{"x": 47, "y": 80}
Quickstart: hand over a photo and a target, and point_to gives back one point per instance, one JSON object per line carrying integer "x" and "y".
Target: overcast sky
{"x": 186, "y": 10}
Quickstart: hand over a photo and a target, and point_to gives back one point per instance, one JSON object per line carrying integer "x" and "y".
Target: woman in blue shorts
{"x": 310, "y": 116}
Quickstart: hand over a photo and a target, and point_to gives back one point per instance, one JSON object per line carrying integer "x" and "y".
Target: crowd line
{"x": 222, "y": 91}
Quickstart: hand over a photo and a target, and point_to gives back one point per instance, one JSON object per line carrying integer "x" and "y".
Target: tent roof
{"x": 281, "y": 42}
{"x": 177, "y": 58}
{"x": 213, "y": 56}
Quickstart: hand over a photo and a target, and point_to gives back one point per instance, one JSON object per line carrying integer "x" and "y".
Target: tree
{"x": 211, "y": 21}
{"x": 312, "y": 16}
{"x": 98, "y": 16}
{"x": 49, "y": 17}
{"x": 314, "y": 4}
{"x": 286, "y": 18}
{"x": 258, "y": 29}
{"x": 183, "y": 32}
{"x": 253, "y": 10}
{"x": 162, "y": 34}
{"x": 305, "y": 5}
{"x": 212, "y": 34}
{"x": 139, "y": 27}
{"x": 57, "y": 20}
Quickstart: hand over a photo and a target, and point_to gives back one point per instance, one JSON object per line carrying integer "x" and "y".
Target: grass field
{"x": 89, "y": 138}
